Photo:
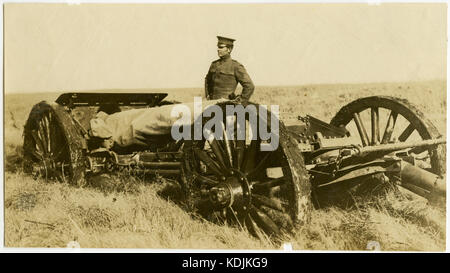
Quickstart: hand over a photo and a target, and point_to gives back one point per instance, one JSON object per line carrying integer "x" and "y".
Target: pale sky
{"x": 55, "y": 47}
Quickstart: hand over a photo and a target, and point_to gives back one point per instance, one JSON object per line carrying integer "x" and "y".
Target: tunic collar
{"x": 225, "y": 58}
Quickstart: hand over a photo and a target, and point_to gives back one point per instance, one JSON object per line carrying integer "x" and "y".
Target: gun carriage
{"x": 381, "y": 139}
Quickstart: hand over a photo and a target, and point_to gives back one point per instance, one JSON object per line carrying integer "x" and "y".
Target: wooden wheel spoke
{"x": 250, "y": 156}
{"x": 55, "y": 135}
{"x": 253, "y": 227}
{"x": 227, "y": 145}
{"x": 375, "y": 122}
{"x": 43, "y": 136}
{"x": 36, "y": 154}
{"x": 240, "y": 137}
{"x": 406, "y": 133}
{"x": 234, "y": 144}
{"x": 230, "y": 212}
{"x": 218, "y": 151}
{"x": 259, "y": 167}
{"x": 269, "y": 184}
{"x": 264, "y": 221}
{"x": 268, "y": 202}
{"x": 226, "y": 148}
{"x": 240, "y": 150}
{"x": 47, "y": 132}
{"x": 361, "y": 129}
{"x": 389, "y": 127}
{"x": 38, "y": 141}
{"x": 208, "y": 161}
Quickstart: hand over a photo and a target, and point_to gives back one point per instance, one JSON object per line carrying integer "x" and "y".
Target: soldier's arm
{"x": 207, "y": 79}
{"x": 206, "y": 87}
{"x": 244, "y": 79}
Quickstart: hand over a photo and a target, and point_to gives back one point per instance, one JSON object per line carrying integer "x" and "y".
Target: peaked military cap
{"x": 225, "y": 41}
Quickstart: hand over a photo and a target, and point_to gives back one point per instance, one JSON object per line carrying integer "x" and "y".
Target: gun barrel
{"x": 422, "y": 182}
{"x": 390, "y": 147}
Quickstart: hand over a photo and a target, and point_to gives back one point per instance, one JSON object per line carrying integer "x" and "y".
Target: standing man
{"x": 225, "y": 73}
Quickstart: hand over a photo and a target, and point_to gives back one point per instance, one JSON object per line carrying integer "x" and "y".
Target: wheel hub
{"x": 234, "y": 191}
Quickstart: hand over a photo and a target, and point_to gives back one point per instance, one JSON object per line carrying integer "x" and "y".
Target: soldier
{"x": 225, "y": 73}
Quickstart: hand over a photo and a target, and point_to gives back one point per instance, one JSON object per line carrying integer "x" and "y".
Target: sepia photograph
{"x": 213, "y": 126}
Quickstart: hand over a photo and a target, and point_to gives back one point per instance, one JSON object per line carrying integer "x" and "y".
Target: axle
{"x": 142, "y": 163}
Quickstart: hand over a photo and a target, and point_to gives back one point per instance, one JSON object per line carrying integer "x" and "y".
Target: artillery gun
{"x": 233, "y": 180}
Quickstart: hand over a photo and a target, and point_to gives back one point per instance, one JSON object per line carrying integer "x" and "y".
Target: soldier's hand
{"x": 239, "y": 99}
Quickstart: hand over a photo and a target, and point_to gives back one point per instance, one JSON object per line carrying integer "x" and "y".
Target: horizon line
{"x": 200, "y": 87}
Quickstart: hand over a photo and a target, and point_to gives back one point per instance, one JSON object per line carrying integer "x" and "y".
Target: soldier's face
{"x": 223, "y": 50}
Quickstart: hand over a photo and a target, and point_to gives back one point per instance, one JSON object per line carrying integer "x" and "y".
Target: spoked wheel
{"x": 231, "y": 180}
{"x": 391, "y": 120}
{"x": 52, "y": 145}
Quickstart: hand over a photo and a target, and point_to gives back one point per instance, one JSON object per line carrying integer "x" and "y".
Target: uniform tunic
{"x": 222, "y": 79}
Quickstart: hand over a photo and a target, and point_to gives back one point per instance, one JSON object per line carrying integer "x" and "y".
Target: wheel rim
{"x": 46, "y": 150}
{"x": 379, "y": 120}
{"x": 233, "y": 182}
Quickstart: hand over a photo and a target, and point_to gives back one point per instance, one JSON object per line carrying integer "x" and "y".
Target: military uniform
{"x": 223, "y": 76}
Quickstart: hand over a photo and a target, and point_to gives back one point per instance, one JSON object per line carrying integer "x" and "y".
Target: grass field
{"x": 136, "y": 215}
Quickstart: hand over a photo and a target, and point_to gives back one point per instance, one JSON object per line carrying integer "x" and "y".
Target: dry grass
{"x": 40, "y": 214}
{"x": 137, "y": 215}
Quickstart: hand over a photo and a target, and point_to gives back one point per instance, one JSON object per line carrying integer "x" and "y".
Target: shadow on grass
{"x": 351, "y": 194}
{"x": 108, "y": 183}
{"x": 172, "y": 191}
